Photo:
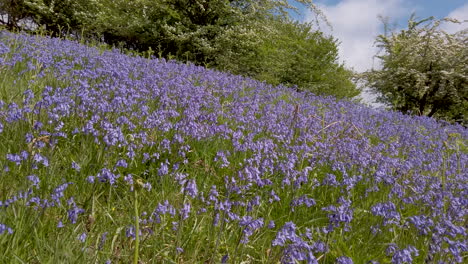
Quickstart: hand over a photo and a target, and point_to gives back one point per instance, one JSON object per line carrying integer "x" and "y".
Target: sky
{"x": 355, "y": 23}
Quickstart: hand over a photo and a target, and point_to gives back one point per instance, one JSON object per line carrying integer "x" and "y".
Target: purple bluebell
{"x": 105, "y": 175}
{"x": 185, "y": 211}
{"x": 190, "y": 188}
{"x": 38, "y": 158}
{"x": 344, "y": 260}
{"x": 34, "y": 180}
{"x": 82, "y": 237}
{"x": 4, "y": 228}
{"x": 388, "y": 211}
{"x": 405, "y": 255}
{"x": 14, "y": 158}
{"x": 250, "y": 225}
{"x": 75, "y": 166}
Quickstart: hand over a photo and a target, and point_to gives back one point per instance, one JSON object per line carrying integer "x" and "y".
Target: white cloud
{"x": 356, "y": 24}
{"x": 460, "y": 14}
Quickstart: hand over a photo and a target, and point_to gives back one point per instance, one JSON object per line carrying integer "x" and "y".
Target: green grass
{"x": 112, "y": 210}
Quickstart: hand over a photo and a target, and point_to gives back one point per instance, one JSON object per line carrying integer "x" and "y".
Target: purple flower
{"x": 405, "y": 255}
{"x": 213, "y": 196}
{"x": 164, "y": 169}
{"x": 24, "y": 155}
{"x": 38, "y": 158}
{"x": 4, "y": 228}
{"x": 147, "y": 186}
{"x": 250, "y": 226}
{"x": 391, "y": 249}
{"x": 422, "y": 223}
{"x": 34, "y": 179}
{"x": 58, "y": 193}
{"x": 295, "y": 248}
{"x": 273, "y": 197}
{"x": 121, "y": 163}
{"x": 340, "y": 214}
{"x": 221, "y": 156}
{"x": 309, "y": 202}
{"x": 344, "y": 260}
{"x": 82, "y": 237}
{"x": 190, "y": 188}
{"x": 130, "y": 232}
{"x": 105, "y": 175}
{"x": 75, "y": 166}
{"x": 74, "y": 211}
{"x": 102, "y": 241}
{"x": 14, "y": 158}
{"x": 90, "y": 179}
{"x": 224, "y": 259}
{"x": 388, "y": 211}
{"x": 271, "y": 224}
{"x": 184, "y": 212}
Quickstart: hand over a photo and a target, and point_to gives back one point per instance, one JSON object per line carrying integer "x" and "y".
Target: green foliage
{"x": 297, "y": 55}
{"x": 56, "y": 16}
{"x": 424, "y": 71}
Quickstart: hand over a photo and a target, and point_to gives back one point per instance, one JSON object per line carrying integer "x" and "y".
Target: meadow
{"x": 111, "y": 158}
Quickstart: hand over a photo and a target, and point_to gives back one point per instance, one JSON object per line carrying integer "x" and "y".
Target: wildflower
{"x": 102, "y": 240}
{"x": 190, "y": 188}
{"x": 184, "y": 212}
{"x": 405, "y": 255}
{"x": 34, "y": 179}
{"x": 130, "y": 232}
{"x": 344, "y": 260}
{"x": 271, "y": 224}
{"x": 4, "y": 228}
{"x": 250, "y": 226}
{"x": 14, "y": 158}
{"x": 105, "y": 175}
{"x": 302, "y": 200}
{"x": 38, "y": 158}
{"x": 75, "y": 166}
{"x": 224, "y": 259}
{"x": 121, "y": 163}
{"x": 82, "y": 237}
{"x": 74, "y": 212}
{"x": 90, "y": 179}
{"x": 147, "y": 186}
{"x": 388, "y": 211}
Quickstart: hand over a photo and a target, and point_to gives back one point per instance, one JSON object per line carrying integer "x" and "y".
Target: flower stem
{"x": 137, "y": 229}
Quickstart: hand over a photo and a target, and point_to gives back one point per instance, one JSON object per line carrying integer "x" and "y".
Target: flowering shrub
{"x": 220, "y": 168}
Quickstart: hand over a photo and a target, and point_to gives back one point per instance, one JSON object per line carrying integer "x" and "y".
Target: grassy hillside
{"x": 106, "y": 158}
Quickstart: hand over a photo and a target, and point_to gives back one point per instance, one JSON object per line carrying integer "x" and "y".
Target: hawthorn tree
{"x": 424, "y": 70}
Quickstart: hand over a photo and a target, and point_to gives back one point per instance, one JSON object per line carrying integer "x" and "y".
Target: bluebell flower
{"x": 75, "y": 166}
{"x": 38, "y": 158}
{"x": 34, "y": 180}
{"x": 82, "y": 237}
{"x": 190, "y": 188}
{"x": 4, "y": 228}
{"x": 344, "y": 260}
{"x": 121, "y": 163}
{"x": 405, "y": 255}
{"x": 14, "y": 158}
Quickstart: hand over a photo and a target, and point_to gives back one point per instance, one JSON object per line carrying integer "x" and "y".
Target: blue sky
{"x": 356, "y": 25}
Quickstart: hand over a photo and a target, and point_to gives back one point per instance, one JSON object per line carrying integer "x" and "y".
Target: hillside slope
{"x": 106, "y": 157}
